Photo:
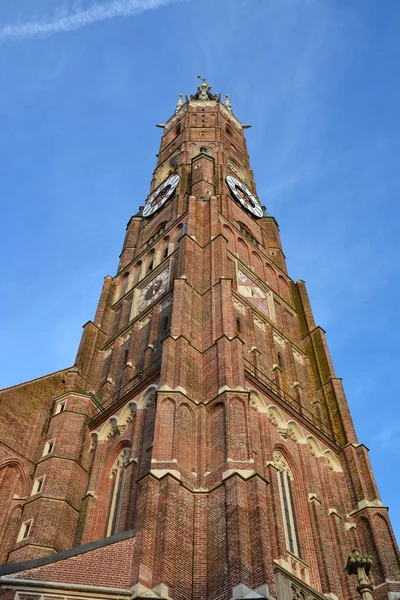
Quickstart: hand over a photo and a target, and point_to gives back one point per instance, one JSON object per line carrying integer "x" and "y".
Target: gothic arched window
{"x": 285, "y": 478}
{"x": 178, "y": 233}
{"x": 239, "y": 329}
{"x": 165, "y": 325}
{"x": 118, "y": 475}
{"x": 165, "y": 248}
{"x": 126, "y": 283}
{"x": 137, "y": 272}
{"x": 150, "y": 261}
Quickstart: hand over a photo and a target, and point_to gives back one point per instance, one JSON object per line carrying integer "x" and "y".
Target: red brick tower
{"x": 201, "y": 447}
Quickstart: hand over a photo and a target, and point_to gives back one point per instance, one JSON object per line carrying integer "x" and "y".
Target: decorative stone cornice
{"x": 160, "y": 473}
{"x": 159, "y": 592}
{"x": 364, "y": 504}
{"x": 242, "y": 472}
{"x": 242, "y": 592}
{"x": 312, "y": 497}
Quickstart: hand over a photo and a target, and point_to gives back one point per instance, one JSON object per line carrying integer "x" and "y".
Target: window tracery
{"x": 285, "y": 478}
{"x": 118, "y": 475}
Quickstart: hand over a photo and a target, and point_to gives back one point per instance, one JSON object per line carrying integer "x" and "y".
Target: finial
{"x": 360, "y": 565}
{"x": 227, "y": 103}
{"x": 204, "y": 91}
{"x": 179, "y": 104}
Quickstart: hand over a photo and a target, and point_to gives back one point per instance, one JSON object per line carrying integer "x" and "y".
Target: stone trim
{"x": 73, "y": 589}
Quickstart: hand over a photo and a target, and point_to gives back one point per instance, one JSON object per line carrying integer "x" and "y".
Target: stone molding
{"x": 242, "y": 592}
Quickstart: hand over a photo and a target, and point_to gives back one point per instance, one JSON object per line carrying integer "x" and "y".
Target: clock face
{"x": 244, "y": 196}
{"x": 155, "y": 288}
{"x": 160, "y": 196}
{"x": 253, "y": 292}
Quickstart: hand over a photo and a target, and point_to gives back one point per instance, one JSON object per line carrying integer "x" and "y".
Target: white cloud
{"x": 62, "y": 22}
{"x": 387, "y": 438}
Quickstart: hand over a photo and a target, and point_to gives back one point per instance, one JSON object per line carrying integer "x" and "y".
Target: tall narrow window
{"x": 178, "y": 233}
{"x": 165, "y": 325}
{"x": 137, "y": 272}
{"x": 126, "y": 283}
{"x": 285, "y": 479}
{"x": 238, "y": 328}
{"x": 150, "y": 261}
{"x": 165, "y": 248}
{"x": 118, "y": 475}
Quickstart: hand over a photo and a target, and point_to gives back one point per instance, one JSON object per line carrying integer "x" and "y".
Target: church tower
{"x": 201, "y": 446}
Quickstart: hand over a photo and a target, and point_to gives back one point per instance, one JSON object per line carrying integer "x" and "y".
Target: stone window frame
{"x": 60, "y": 407}
{"x": 38, "y": 485}
{"x": 25, "y": 530}
{"x": 49, "y": 447}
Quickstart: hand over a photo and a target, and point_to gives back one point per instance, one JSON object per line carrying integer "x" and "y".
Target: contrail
{"x": 75, "y": 20}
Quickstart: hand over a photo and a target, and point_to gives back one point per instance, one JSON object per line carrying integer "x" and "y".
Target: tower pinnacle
{"x": 204, "y": 92}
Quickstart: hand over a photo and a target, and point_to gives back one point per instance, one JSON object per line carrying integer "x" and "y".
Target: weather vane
{"x": 204, "y": 84}
{"x": 204, "y": 91}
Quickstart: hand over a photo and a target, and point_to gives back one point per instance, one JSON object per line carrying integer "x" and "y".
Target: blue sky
{"x": 82, "y": 85}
